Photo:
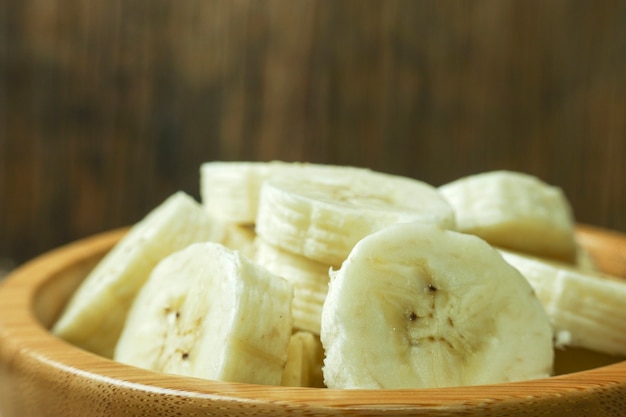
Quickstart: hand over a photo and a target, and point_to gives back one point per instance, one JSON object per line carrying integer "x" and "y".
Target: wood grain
{"x": 106, "y": 108}
{"x": 41, "y": 375}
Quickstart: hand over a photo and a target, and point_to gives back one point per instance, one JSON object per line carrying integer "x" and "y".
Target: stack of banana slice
{"x": 96, "y": 314}
{"x": 316, "y": 275}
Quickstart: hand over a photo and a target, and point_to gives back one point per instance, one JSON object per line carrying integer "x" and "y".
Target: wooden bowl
{"x": 41, "y": 375}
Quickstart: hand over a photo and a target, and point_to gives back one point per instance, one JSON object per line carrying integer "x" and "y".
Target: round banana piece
{"x": 586, "y": 308}
{"x": 308, "y": 277}
{"x": 209, "y": 312}
{"x": 417, "y": 306}
{"x": 230, "y": 190}
{"x": 323, "y": 216}
{"x": 515, "y": 211}
{"x": 95, "y": 315}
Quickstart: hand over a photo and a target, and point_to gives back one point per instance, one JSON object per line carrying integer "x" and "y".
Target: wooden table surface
{"x": 108, "y": 107}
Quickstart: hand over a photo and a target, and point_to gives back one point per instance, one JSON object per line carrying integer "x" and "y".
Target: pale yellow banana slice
{"x": 230, "y": 190}
{"x": 586, "y": 309}
{"x": 304, "y": 361}
{"x": 322, "y": 217}
{"x": 95, "y": 315}
{"x": 308, "y": 277}
{"x": 417, "y": 306}
{"x": 515, "y": 211}
{"x": 209, "y": 312}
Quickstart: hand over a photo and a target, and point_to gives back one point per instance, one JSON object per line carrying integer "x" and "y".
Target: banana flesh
{"x": 586, "y": 308}
{"x": 230, "y": 190}
{"x": 515, "y": 211}
{"x": 417, "y": 306}
{"x": 209, "y": 312}
{"x": 356, "y": 270}
{"x": 322, "y": 217}
{"x": 308, "y": 277}
{"x": 95, "y": 315}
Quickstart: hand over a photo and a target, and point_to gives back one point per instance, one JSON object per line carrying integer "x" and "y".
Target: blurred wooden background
{"x": 106, "y": 108}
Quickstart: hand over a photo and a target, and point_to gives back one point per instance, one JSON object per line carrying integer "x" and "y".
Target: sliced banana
{"x": 308, "y": 277}
{"x": 586, "y": 309}
{"x": 417, "y": 306}
{"x": 515, "y": 211}
{"x": 322, "y": 217}
{"x": 209, "y": 312}
{"x": 304, "y": 361}
{"x": 95, "y": 315}
{"x": 230, "y": 190}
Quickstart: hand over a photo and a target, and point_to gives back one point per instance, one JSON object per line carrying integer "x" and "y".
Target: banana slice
{"x": 304, "y": 361}
{"x": 209, "y": 312}
{"x": 95, "y": 315}
{"x": 586, "y": 309}
{"x": 514, "y": 211}
{"x": 322, "y": 217}
{"x": 308, "y": 277}
{"x": 416, "y": 306}
{"x": 230, "y": 190}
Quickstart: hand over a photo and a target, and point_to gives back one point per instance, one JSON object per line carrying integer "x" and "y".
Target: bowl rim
{"x": 24, "y": 332}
